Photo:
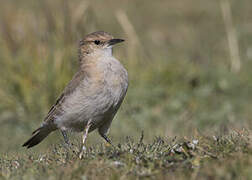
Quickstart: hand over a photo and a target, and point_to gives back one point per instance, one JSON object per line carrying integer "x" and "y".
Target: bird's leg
{"x": 64, "y": 134}
{"x": 84, "y": 137}
{"x": 106, "y": 139}
{"x": 103, "y": 131}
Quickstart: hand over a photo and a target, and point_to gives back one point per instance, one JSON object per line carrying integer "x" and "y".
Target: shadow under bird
{"x": 93, "y": 96}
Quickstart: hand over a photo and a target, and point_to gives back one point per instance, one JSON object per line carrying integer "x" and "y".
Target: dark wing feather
{"x": 56, "y": 108}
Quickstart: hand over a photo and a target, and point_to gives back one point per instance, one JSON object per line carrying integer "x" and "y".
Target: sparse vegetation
{"x": 199, "y": 158}
{"x": 181, "y": 85}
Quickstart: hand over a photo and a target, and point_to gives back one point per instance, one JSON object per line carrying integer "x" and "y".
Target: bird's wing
{"x": 56, "y": 109}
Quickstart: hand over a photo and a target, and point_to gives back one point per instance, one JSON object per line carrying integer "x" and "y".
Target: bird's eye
{"x": 97, "y": 42}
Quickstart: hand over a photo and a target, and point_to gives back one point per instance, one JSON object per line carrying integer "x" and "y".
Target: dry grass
{"x": 201, "y": 157}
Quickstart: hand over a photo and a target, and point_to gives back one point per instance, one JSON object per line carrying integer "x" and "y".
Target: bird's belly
{"x": 98, "y": 107}
{"x": 77, "y": 122}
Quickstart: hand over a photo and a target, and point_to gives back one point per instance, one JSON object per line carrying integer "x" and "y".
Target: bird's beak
{"x": 114, "y": 41}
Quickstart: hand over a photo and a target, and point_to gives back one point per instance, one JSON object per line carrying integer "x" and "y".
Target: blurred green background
{"x": 177, "y": 54}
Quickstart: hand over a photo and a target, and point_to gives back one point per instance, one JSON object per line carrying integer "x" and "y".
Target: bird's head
{"x": 97, "y": 43}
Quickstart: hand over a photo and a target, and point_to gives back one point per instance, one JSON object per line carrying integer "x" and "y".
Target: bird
{"x": 93, "y": 96}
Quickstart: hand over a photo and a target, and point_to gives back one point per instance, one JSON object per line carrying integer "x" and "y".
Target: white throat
{"x": 107, "y": 52}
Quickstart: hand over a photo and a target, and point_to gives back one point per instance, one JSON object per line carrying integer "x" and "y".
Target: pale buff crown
{"x": 99, "y": 35}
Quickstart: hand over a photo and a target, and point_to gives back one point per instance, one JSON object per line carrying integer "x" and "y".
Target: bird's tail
{"x": 37, "y": 136}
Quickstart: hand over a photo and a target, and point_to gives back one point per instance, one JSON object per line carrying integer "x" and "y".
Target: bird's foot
{"x": 67, "y": 144}
{"x": 82, "y": 152}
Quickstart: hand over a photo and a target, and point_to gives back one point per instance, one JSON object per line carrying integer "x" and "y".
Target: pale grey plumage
{"x": 94, "y": 94}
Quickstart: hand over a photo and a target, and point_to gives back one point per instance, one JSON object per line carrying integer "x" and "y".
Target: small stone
{"x": 195, "y": 141}
{"x": 118, "y": 163}
{"x": 215, "y": 138}
{"x": 191, "y": 145}
{"x": 16, "y": 164}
